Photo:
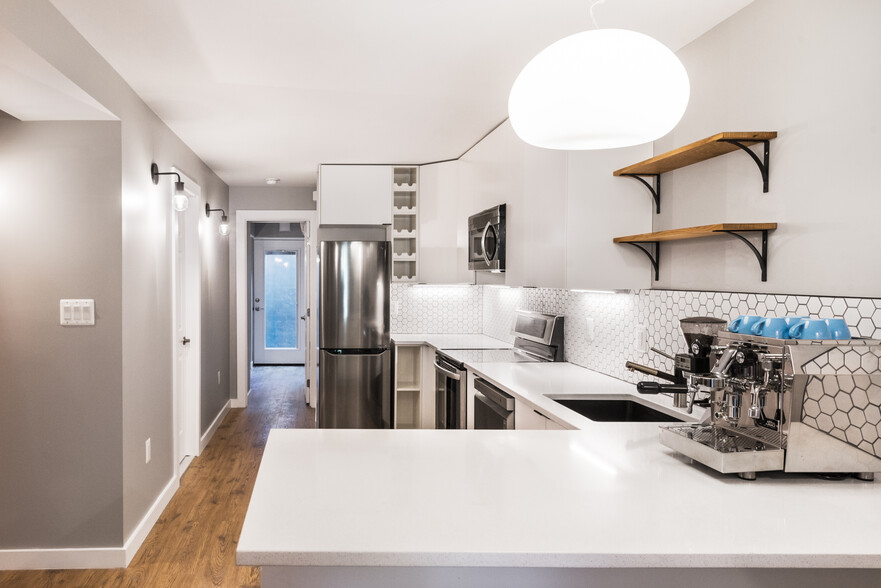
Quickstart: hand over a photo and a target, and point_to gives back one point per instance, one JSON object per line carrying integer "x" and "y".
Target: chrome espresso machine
{"x": 777, "y": 404}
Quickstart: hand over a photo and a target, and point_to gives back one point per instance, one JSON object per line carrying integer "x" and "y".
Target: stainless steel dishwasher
{"x": 493, "y": 408}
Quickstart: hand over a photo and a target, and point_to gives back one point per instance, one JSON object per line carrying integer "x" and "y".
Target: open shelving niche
{"x": 408, "y": 378}
{"x": 405, "y": 246}
{"x": 718, "y": 144}
{"x": 645, "y": 240}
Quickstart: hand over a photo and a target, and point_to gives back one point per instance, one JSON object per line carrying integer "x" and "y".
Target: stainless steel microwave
{"x": 486, "y": 240}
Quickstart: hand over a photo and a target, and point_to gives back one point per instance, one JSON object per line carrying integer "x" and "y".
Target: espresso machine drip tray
{"x": 724, "y": 450}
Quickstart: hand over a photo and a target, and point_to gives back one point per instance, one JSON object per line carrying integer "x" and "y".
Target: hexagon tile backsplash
{"x": 605, "y": 330}
{"x": 454, "y": 310}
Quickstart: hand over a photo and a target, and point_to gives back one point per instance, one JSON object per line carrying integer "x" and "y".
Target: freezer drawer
{"x": 355, "y": 390}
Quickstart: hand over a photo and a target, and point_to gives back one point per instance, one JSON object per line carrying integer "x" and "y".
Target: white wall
{"x": 807, "y": 69}
{"x": 600, "y": 207}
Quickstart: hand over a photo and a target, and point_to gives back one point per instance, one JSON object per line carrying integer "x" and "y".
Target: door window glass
{"x": 280, "y": 271}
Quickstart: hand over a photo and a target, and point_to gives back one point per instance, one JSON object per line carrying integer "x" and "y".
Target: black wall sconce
{"x": 179, "y": 200}
{"x": 224, "y": 221}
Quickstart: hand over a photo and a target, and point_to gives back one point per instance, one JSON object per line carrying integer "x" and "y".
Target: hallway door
{"x": 187, "y": 303}
{"x": 278, "y": 309}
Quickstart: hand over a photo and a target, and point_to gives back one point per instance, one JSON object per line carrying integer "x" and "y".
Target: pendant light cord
{"x": 592, "y": 17}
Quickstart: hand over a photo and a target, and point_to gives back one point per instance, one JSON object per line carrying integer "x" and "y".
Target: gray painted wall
{"x": 143, "y": 392}
{"x": 256, "y": 198}
{"x": 808, "y": 70}
{"x": 215, "y": 317}
{"x": 60, "y": 425}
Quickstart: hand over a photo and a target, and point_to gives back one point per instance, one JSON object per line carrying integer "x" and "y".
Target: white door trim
{"x": 192, "y": 387}
{"x": 243, "y": 217}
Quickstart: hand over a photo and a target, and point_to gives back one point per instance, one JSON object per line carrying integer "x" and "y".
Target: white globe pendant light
{"x": 599, "y": 89}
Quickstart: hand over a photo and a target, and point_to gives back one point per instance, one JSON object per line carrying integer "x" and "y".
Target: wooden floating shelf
{"x": 695, "y": 152}
{"x": 718, "y": 144}
{"x": 650, "y": 243}
{"x": 695, "y": 232}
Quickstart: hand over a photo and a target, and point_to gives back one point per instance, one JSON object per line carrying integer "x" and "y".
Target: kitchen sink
{"x": 615, "y": 409}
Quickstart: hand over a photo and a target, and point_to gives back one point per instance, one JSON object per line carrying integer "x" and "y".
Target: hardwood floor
{"x": 194, "y": 542}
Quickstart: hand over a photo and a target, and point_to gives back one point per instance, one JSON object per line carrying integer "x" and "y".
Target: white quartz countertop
{"x": 452, "y": 341}
{"x": 606, "y": 496}
{"x": 536, "y": 383}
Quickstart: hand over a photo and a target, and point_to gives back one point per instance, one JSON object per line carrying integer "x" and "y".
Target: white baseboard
{"x": 206, "y": 438}
{"x": 62, "y": 559}
{"x": 89, "y": 557}
{"x": 184, "y": 465}
{"x": 139, "y": 535}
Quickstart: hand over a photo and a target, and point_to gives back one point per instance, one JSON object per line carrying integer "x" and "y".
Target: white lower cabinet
{"x": 414, "y": 387}
{"x": 408, "y": 386}
{"x": 526, "y": 417}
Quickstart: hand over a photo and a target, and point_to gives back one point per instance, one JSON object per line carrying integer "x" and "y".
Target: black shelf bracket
{"x": 654, "y": 257}
{"x": 761, "y": 256}
{"x": 763, "y": 165}
{"x": 655, "y": 190}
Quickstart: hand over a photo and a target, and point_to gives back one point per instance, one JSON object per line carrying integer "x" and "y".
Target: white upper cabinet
{"x": 502, "y": 169}
{"x": 355, "y": 194}
{"x": 563, "y": 210}
{"x": 443, "y": 226}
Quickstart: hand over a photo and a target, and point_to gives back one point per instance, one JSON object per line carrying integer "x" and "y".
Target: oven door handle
{"x": 446, "y": 372}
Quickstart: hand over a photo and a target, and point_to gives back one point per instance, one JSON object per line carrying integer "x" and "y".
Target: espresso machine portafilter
{"x": 700, "y": 334}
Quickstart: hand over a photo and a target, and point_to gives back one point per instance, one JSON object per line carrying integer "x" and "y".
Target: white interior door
{"x": 279, "y": 302}
{"x": 186, "y": 300}
{"x": 181, "y": 341}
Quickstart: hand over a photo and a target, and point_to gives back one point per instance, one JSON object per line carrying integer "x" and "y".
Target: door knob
{"x": 185, "y": 341}
{"x": 256, "y": 309}
{"x": 302, "y": 318}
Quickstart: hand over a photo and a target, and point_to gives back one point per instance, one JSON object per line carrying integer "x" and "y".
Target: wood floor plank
{"x": 194, "y": 541}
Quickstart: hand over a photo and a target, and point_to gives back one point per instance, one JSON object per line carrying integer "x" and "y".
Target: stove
{"x": 537, "y": 337}
{"x": 463, "y": 356}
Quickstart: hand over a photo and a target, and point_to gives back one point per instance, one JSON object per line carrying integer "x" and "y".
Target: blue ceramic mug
{"x": 777, "y": 328}
{"x": 743, "y": 323}
{"x": 838, "y": 328}
{"x": 810, "y": 329}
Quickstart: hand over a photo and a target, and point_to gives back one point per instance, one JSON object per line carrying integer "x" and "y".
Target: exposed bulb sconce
{"x": 599, "y": 89}
{"x": 179, "y": 200}
{"x": 224, "y": 221}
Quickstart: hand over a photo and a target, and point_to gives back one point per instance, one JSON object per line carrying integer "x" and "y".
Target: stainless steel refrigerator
{"x": 355, "y": 365}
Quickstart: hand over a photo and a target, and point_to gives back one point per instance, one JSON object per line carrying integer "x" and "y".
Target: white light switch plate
{"x": 642, "y": 339}
{"x": 589, "y": 324}
{"x": 77, "y": 312}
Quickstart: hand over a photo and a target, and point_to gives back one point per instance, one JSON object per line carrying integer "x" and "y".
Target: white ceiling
{"x": 272, "y": 88}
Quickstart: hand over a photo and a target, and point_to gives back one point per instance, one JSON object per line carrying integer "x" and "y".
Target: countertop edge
{"x": 562, "y": 560}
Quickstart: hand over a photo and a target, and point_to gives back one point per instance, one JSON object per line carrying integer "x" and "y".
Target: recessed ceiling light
{"x": 272, "y": 181}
